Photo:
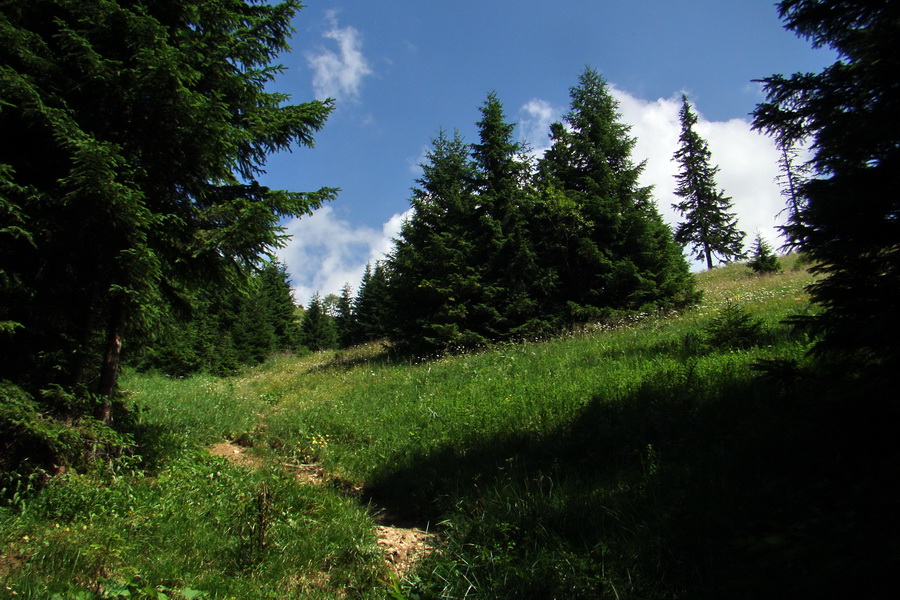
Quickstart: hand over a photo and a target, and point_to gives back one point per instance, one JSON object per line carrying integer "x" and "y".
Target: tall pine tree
{"x": 133, "y": 137}
{"x": 709, "y": 228}
{"x": 849, "y": 219}
{"x": 371, "y": 308}
{"x": 317, "y": 329}
{"x": 503, "y": 242}
{"x": 344, "y": 320}
{"x": 275, "y": 290}
{"x": 604, "y": 237}
{"x": 436, "y": 281}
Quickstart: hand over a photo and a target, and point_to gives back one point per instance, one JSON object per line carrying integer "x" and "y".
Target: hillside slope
{"x": 640, "y": 459}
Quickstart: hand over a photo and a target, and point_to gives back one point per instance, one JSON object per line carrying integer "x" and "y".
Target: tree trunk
{"x": 109, "y": 371}
{"x": 85, "y": 335}
{"x": 709, "y": 264}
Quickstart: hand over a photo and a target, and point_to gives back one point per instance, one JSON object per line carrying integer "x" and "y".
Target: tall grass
{"x": 632, "y": 460}
{"x": 200, "y": 524}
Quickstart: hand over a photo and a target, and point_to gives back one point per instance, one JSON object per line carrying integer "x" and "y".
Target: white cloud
{"x": 536, "y": 115}
{"x": 326, "y": 252}
{"x": 415, "y": 164}
{"x": 747, "y": 161}
{"x": 339, "y": 74}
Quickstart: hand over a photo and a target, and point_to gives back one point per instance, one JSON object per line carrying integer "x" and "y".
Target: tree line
{"x": 502, "y": 246}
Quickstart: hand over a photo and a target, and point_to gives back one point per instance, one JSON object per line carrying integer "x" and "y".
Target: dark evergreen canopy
{"x": 848, "y": 219}
{"x": 608, "y": 243}
{"x": 133, "y": 133}
{"x": 502, "y": 239}
{"x": 318, "y": 331}
{"x": 762, "y": 259}
{"x": 497, "y": 250}
{"x": 709, "y": 227}
{"x": 436, "y": 277}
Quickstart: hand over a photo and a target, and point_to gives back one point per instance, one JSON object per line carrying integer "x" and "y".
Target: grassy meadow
{"x": 645, "y": 458}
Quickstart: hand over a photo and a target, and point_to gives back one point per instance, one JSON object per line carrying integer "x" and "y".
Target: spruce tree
{"x": 253, "y": 331}
{"x": 762, "y": 259}
{"x": 708, "y": 227}
{"x": 276, "y": 294}
{"x": 509, "y": 306}
{"x": 601, "y": 232}
{"x": 849, "y": 220}
{"x": 134, "y": 134}
{"x": 371, "y": 305}
{"x": 317, "y": 329}
{"x": 794, "y": 174}
{"x": 344, "y": 320}
{"x": 436, "y": 276}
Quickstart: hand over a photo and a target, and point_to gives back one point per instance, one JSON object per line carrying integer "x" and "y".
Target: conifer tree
{"x": 762, "y": 259}
{"x": 371, "y": 305}
{"x": 275, "y": 290}
{"x": 604, "y": 237}
{"x": 134, "y": 134}
{"x": 794, "y": 174}
{"x": 317, "y": 330}
{"x": 708, "y": 227}
{"x": 344, "y": 320}
{"x": 225, "y": 327}
{"x": 503, "y": 243}
{"x": 436, "y": 278}
{"x": 253, "y": 331}
{"x": 849, "y": 220}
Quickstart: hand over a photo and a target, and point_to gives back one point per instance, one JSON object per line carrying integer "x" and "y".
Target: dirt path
{"x": 402, "y": 544}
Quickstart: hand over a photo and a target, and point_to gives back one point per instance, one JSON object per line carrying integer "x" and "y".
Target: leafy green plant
{"x": 132, "y": 589}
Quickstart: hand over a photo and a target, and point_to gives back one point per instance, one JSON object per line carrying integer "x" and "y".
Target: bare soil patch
{"x": 235, "y": 453}
{"x": 403, "y": 547}
{"x": 401, "y": 542}
{"x": 308, "y": 473}
{"x": 10, "y": 562}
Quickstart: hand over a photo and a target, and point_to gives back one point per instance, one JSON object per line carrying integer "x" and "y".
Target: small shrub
{"x": 763, "y": 260}
{"x": 734, "y": 327}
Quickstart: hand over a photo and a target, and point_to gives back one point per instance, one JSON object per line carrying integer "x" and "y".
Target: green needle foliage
{"x": 603, "y": 234}
{"x": 708, "y": 227}
{"x": 501, "y": 249}
{"x": 133, "y": 134}
{"x": 317, "y": 331}
{"x": 435, "y": 281}
{"x": 762, "y": 259}
{"x": 848, "y": 217}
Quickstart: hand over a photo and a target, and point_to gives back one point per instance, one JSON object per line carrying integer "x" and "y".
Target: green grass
{"x": 633, "y": 460}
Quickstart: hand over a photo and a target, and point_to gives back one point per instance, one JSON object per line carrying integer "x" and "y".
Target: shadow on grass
{"x": 723, "y": 488}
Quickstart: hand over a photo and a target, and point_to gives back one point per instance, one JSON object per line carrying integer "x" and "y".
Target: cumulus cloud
{"x": 415, "y": 163}
{"x": 747, "y": 161}
{"x": 535, "y": 118}
{"x": 339, "y": 74}
{"x": 326, "y": 252}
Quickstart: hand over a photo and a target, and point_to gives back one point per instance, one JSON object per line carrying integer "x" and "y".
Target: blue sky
{"x": 402, "y": 69}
